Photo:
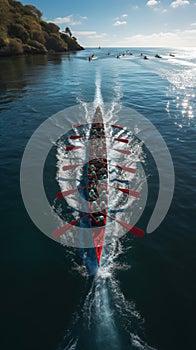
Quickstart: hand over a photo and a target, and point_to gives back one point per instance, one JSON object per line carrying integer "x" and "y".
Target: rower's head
{"x": 102, "y": 205}
{"x": 103, "y": 193}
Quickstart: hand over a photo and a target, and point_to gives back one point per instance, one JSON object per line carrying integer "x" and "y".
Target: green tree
{"x": 68, "y": 31}
{"x": 33, "y": 10}
{"x": 18, "y": 31}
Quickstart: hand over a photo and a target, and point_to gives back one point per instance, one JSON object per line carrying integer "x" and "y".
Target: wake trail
{"x": 105, "y": 319}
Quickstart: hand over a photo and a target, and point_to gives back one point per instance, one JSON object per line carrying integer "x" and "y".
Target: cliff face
{"x": 22, "y": 31}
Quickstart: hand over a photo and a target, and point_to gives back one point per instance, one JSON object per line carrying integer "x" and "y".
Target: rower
{"x": 92, "y": 175}
{"x": 103, "y": 177}
{"x": 103, "y": 206}
{"x": 92, "y": 194}
{"x": 99, "y": 221}
{"x": 103, "y": 195}
{"x": 92, "y": 167}
{"x": 94, "y": 206}
{"x": 103, "y": 170}
{"x": 102, "y": 132}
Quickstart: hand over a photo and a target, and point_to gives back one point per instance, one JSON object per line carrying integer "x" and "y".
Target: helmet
{"x": 102, "y": 205}
{"x": 101, "y": 218}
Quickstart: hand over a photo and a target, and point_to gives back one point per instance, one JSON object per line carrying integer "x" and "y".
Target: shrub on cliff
{"x": 55, "y": 43}
{"x": 38, "y": 36}
{"x": 38, "y": 46}
{"x": 18, "y": 31}
{"x": 33, "y": 10}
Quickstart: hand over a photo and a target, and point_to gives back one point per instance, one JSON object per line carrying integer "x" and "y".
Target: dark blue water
{"x": 47, "y": 300}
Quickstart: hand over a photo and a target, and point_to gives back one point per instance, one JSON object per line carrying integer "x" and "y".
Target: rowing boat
{"x": 98, "y": 182}
{"x": 94, "y": 185}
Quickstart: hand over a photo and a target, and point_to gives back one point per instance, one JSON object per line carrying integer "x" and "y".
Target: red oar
{"x": 117, "y": 126}
{"x": 73, "y": 148}
{"x": 133, "y": 229}
{"x": 124, "y": 151}
{"x": 129, "y": 170}
{"x": 121, "y": 140}
{"x": 124, "y": 190}
{"x": 76, "y": 137}
{"x": 70, "y": 167}
{"x": 78, "y": 125}
{"x": 113, "y": 125}
{"x": 60, "y": 231}
{"x": 129, "y": 192}
{"x": 68, "y": 192}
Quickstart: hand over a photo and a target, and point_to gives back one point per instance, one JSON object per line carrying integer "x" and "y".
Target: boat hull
{"x": 99, "y": 182}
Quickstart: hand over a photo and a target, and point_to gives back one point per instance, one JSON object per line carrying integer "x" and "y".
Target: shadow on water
{"x": 20, "y": 72}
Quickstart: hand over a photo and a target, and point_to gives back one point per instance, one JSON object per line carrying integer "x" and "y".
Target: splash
{"x": 105, "y": 318}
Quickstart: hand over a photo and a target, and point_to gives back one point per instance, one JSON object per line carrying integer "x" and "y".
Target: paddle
{"x": 60, "y": 231}
{"x": 124, "y": 190}
{"x": 68, "y": 192}
{"x": 129, "y": 192}
{"x": 73, "y": 166}
{"x": 113, "y": 125}
{"x": 133, "y": 229}
{"x": 130, "y": 170}
{"x": 117, "y": 126}
{"x": 76, "y": 137}
{"x": 124, "y": 151}
{"x": 78, "y": 125}
{"x": 73, "y": 148}
{"x": 121, "y": 140}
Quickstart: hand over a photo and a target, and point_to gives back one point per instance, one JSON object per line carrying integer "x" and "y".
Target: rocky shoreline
{"x": 23, "y": 32}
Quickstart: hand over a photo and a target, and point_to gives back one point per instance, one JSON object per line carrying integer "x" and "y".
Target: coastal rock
{"x": 22, "y": 31}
